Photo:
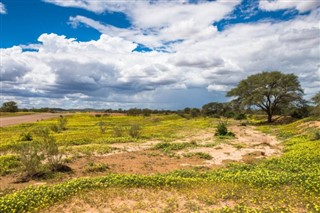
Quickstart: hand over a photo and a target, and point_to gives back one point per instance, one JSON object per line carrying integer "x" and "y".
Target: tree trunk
{"x": 269, "y": 117}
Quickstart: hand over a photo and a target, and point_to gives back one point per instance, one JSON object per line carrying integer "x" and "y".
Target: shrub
{"x": 96, "y": 167}
{"x": 117, "y": 132}
{"x": 240, "y": 116}
{"x": 54, "y": 128}
{"x": 201, "y": 155}
{"x": 49, "y": 148}
{"x": 135, "y": 130}
{"x": 30, "y": 157}
{"x": 169, "y": 147}
{"x": 8, "y": 163}
{"x": 221, "y": 129}
{"x": 102, "y": 126}
{"x": 62, "y": 122}
{"x": 316, "y": 136}
{"x": 26, "y": 136}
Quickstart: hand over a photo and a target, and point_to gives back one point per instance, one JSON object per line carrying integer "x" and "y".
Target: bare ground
{"x": 9, "y": 121}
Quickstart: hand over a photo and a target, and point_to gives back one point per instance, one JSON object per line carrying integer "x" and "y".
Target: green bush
{"x": 102, "y": 126}
{"x": 96, "y": 167}
{"x": 62, "y": 122}
{"x": 240, "y": 116}
{"x": 221, "y": 129}
{"x": 54, "y": 128}
{"x": 31, "y": 157}
{"x": 26, "y": 136}
{"x": 316, "y": 136}
{"x": 135, "y": 131}
{"x": 9, "y": 163}
{"x": 117, "y": 132}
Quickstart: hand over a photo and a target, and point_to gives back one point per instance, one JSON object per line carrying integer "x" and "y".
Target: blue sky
{"x": 157, "y": 54}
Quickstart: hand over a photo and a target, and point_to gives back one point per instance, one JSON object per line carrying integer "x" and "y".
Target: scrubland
{"x": 163, "y": 163}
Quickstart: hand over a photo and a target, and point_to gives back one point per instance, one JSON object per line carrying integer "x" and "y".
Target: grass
{"x": 9, "y": 163}
{"x": 201, "y": 155}
{"x": 14, "y": 114}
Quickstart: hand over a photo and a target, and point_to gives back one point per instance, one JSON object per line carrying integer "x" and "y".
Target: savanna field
{"x": 159, "y": 163}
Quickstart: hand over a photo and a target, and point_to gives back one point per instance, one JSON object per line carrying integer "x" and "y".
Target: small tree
{"x": 269, "y": 91}
{"x": 31, "y": 157}
{"x": 62, "y": 122}
{"x": 49, "y": 148}
{"x": 9, "y": 106}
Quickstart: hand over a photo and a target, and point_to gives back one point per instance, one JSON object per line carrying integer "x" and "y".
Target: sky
{"x": 160, "y": 54}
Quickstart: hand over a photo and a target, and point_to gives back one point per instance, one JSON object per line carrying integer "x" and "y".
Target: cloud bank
{"x": 189, "y": 61}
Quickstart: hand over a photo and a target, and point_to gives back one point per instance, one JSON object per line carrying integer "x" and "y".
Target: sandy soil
{"x": 9, "y": 121}
{"x": 249, "y": 143}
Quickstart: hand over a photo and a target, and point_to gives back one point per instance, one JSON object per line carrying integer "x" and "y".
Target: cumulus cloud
{"x": 301, "y": 6}
{"x": 3, "y": 9}
{"x": 199, "y": 63}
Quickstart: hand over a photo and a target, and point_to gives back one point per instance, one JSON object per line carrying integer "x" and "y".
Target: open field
{"x": 14, "y": 114}
{"x": 10, "y": 119}
{"x": 172, "y": 164}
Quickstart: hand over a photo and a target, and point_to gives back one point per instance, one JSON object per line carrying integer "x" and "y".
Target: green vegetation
{"x": 201, "y": 155}
{"x": 135, "y": 130}
{"x": 222, "y": 130}
{"x": 96, "y": 167}
{"x": 168, "y": 148}
{"x": 288, "y": 183}
{"x": 9, "y": 106}
{"x": 9, "y": 163}
{"x": 269, "y": 91}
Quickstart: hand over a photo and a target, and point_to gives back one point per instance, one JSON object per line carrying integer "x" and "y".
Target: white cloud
{"x": 3, "y": 9}
{"x": 301, "y": 6}
{"x": 173, "y": 20}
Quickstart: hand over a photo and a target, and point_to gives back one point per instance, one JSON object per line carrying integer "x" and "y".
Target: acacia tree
{"x": 269, "y": 91}
{"x": 9, "y": 106}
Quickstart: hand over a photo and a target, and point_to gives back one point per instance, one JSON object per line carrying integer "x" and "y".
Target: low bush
{"x": 135, "y": 131}
{"x": 96, "y": 167}
{"x": 31, "y": 157}
{"x": 9, "y": 163}
{"x": 62, "y": 122}
{"x": 118, "y": 132}
{"x": 222, "y": 130}
{"x": 102, "y": 126}
{"x": 201, "y": 155}
{"x": 26, "y": 136}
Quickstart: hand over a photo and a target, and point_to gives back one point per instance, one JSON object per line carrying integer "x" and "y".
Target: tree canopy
{"x": 316, "y": 99}
{"x": 9, "y": 106}
{"x": 269, "y": 91}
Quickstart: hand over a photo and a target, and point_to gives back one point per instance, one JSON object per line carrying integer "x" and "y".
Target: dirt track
{"x": 9, "y": 121}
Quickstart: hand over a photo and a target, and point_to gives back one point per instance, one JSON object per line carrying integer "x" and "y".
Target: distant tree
{"x": 316, "y": 101}
{"x": 269, "y": 91}
{"x": 9, "y": 106}
{"x": 187, "y": 110}
{"x": 146, "y": 112}
{"x": 194, "y": 112}
{"x": 213, "y": 109}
